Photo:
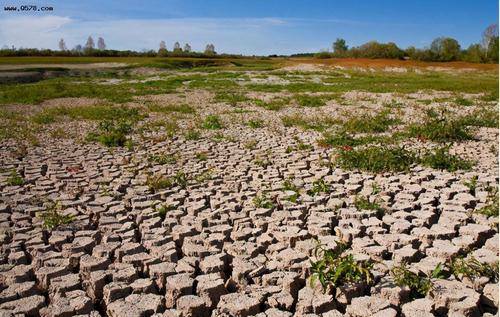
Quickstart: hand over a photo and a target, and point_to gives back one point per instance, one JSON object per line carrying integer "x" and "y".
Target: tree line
{"x": 442, "y": 49}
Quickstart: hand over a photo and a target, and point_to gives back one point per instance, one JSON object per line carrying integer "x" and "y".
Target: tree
{"x": 474, "y": 53}
{"x": 177, "y": 47}
{"x": 78, "y": 48}
{"x": 492, "y": 53}
{"x": 162, "y": 51}
{"x": 339, "y": 47}
{"x": 490, "y": 33}
{"x": 187, "y": 48}
{"x": 62, "y": 45}
{"x": 446, "y": 49}
{"x": 90, "y": 44}
{"x": 210, "y": 49}
{"x": 163, "y": 45}
{"x": 100, "y": 44}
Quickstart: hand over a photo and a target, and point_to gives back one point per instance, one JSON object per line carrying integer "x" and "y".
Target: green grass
{"x": 319, "y": 186}
{"x": 482, "y": 117}
{"x": 97, "y": 112}
{"x": 471, "y": 268}
{"x": 192, "y": 135}
{"x": 111, "y": 133}
{"x": 376, "y": 159}
{"x": 440, "y": 128}
{"x": 310, "y": 101}
{"x": 366, "y": 123}
{"x": 263, "y": 201}
{"x": 231, "y": 98}
{"x": 163, "y": 158}
{"x": 212, "y": 122}
{"x": 345, "y": 140}
{"x": 463, "y": 102}
{"x": 179, "y": 108}
{"x": 274, "y": 105}
{"x": 15, "y": 179}
{"x": 441, "y": 159}
{"x": 308, "y": 123}
{"x": 492, "y": 207}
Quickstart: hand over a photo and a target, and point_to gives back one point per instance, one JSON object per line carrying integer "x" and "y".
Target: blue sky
{"x": 246, "y": 26}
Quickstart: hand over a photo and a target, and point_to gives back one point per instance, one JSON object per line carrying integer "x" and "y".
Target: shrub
{"x": 439, "y": 128}
{"x": 491, "y": 210}
{"x": 419, "y": 285}
{"x": 443, "y": 160}
{"x": 212, "y": 122}
{"x": 52, "y": 216}
{"x": 333, "y": 268}
{"x": 471, "y": 268}
{"x": 481, "y": 118}
{"x": 163, "y": 209}
{"x": 376, "y": 159}
{"x": 15, "y": 179}
{"x": 180, "y": 179}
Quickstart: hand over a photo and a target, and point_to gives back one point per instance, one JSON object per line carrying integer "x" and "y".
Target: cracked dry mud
{"x": 214, "y": 252}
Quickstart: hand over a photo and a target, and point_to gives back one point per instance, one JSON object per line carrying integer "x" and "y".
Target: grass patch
{"x": 192, "y": 135}
{"x": 231, "y": 98}
{"x": 369, "y": 124}
{"x": 111, "y": 133}
{"x": 263, "y": 201}
{"x": 15, "y": 179}
{"x": 310, "y": 101}
{"x": 98, "y": 112}
{"x": 482, "y": 117}
{"x": 163, "y": 158}
{"x": 439, "y": 128}
{"x": 463, "y": 102}
{"x": 441, "y": 159}
{"x": 274, "y": 105}
{"x": 179, "y": 108}
{"x": 212, "y": 122}
{"x": 377, "y": 159}
{"x": 314, "y": 123}
{"x": 492, "y": 207}
{"x": 319, "y": 186}
{"x": 255, "y": 124}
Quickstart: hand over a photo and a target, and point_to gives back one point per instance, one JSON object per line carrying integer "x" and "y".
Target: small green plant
{"x": 363, "y": 203}
{"x": 204, "y": 176}
{"x": 472, "y": 184}
{"x": 111, "y": 133}
{"x": 192, "y": 135}
{"x": 376, "y": 159}
{"x": 163, "y": 158}
{"x": 212, "y": 122}
{"x": 318, "y": 186}
{"x": 369, "y": 123}
{"x": 463, "y": 102}
{"x": 419, "y": 285}
{"x": 263, "y": 201}
{"x": 52, "y": 216}
{"x": 201, "y": 156}
{"x": 471, "y": 268}
{"x": 180, "y": 108}
{"x": 334, "y": 268}
{"x": 163, "y": 209}
{"x": 15, "y": 179}
{"x": 376, "y": 188}
{"x": 491, "y": 209}
{"x": 158, "y": 182}
{"x": 231, "y": 98}
{"x": 274, "y": 105}
{"x": 340, "y": 139}
{"x": 180, "y": 179}
{"x": 251, "y": 144}
{"x": 443, "y": 160}
{"x": 255, "y": 124}
{"x": 301, "y": 146}
{"x": 482, "y": 117}
{"x": 44, "y": 117}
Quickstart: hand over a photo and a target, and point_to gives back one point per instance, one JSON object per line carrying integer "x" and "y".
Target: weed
{"x": 491, "y": 209}
{"x": 111, "y": 132}
{"x": 192, "y": 135}
{"x": 163, "y": 209}
{"x": 333, "y": 268}
{"x": 481, "y": 117}
{"x": 318, "y": 186}
{"x": 363, "y": 203}
{"x": 274, "y": 105}
{"x": 341, "y": 139}
{"x": 201, "y": 156}
{"x": 463, "y": 102}
{"x": 472, "y": 184}
{"x": 439, "y": 128}
{"x": 52, "y": 216}
{"x": 158, "y": 182}
{"x": 376, "y": 188}
{"x": 44, "y": 117}
{"x": 369, "y": 124}
{"x": 230, "y": 98}
{"x": 15, "y": 179}
{"x": 180, "y": 179}
{"x": 376, "y": 159}
{"x": 251, "y": 145}
{"x": 443, "y": 160}
{"x": 254, "y": 124}
{"x": 163, "y": 158}
{"x": 263, "y": 201}
{"x": 419, "y": 286}
{"x": 310, "y": 101}
{"x": 180, "y": 108}
{"x": 204, "y": 176}
{"x": 471, "y": 268}
{"x": 212, "y": 122}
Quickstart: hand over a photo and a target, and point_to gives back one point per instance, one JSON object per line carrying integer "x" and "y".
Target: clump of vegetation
{"x": 204, "y": 176}
{"x": 212, "y": 122}
{"x": 334, "y": 268}
{"x": 443, "y": 160}
{"x": 471, "y": 268}
{"x": 318, "y": 186}
{"x": 180, "y": 108}
{"x": 491, "y": 209}
{"x": 274, "y": 105}
{"x": 376, "y": 159}
{"x": 163, "y": 209}
{"x": 201, "y": 156}
{"x": 230, "y": 98}
{"x": 463, "y": 102}
{"x": 472, "y": 184}
{"x": 254, "y": 124}
{"x": 263, "y": 201}
{"x": 440, "y": 128}
{"x": 370, "y": 124}
{"x": 52, "y": 216}
{"x": 163, "y": 158}
{"x": 158, "y": 182}
{"x": 192, "y": 135}
{"x": 15, "y": 179}
{"x": 251, "y": 144}
{"x": 310, "y": 101}
{"x": 363, "y": 203}
{"x": 288, "y": 185}
{"x": 340, "y": 139}
{"x": 111, "y": 133}
{"x": 180, "y": 179}
{"x": 315, "y": 123}
{"x": 419, "y": 285}
{"x": 482, "y": 117}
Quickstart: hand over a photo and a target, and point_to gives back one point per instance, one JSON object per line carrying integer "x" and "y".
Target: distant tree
{"x": 446, "y": 49}
{"x": 490, "y": 33}
{"x": 177, "y": 47}
{"x": 210, "y": 49}
{"x": 474, "y": 53}
{"x": 100, "y": 44}
{"x": 163, "y": 45}
{"x": 492, "y": 53}
{"x": 339, "y": 47}
{"x": 62, "y": 45}
{"x": 162, "y": 51}
{"x": 187, "y": 48}
{"x": 90, "y": 43}
{"x": 78, "y": 48}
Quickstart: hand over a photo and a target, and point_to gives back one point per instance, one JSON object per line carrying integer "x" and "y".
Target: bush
{"x": 377, "y": 159}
